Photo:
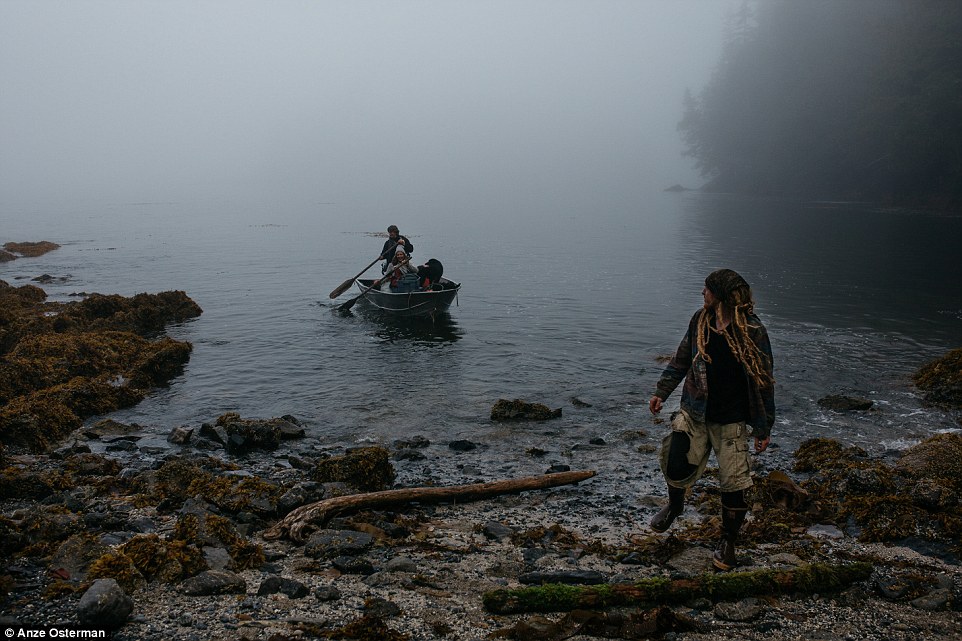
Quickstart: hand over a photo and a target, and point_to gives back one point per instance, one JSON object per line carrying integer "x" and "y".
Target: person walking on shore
{"x": 725, "y": 359}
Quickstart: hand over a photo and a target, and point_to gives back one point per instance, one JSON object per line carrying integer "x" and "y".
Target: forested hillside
{"x": 854, "y": 99}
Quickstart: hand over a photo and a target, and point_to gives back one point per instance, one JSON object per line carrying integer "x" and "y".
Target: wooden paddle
{"x": 349, "y": 304}
{"x": 343, "y": 287}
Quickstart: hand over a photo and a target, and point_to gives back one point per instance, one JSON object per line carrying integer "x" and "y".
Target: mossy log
{"x": 298, "y": 522}
{"x": 556, "y": 597}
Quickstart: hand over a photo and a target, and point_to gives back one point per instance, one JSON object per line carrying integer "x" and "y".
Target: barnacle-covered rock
{"x": 365, "y": 468}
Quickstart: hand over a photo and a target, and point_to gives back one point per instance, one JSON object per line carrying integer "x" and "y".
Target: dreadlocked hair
{"x": 736, "y": 298}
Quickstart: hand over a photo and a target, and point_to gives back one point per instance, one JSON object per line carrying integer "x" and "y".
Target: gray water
{"x": 571, "y": 300}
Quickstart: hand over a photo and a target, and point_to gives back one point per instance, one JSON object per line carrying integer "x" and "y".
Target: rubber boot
{"x": 676, "y": 505}
{"x": 724, "y": 557}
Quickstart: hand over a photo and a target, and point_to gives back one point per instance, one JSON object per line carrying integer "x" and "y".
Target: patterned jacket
{"x": 688, "y": 364}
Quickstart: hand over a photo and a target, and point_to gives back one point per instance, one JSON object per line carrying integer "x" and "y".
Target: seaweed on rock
{"x": 64, "y": 362}
{"x": 941, "y": 380}
{"x": 178, "y": 480}
{"x": 31, "y": 249}
{"x": 366, "y": 468}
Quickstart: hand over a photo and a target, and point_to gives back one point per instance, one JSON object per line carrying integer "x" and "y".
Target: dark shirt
{"x": 727, "y": 383}
{"x": 387, "y": 252}
{"x": 688, "y": 365}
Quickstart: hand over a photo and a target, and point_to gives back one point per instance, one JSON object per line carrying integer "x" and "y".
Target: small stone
{"x": 934, "y": 600}
{"x": 784, "y": 558}
{"x": 218, "y": 558}
{"x": 213, "y": 582}
{"x": 415, "y": 442}
{"x": 376, "y": 606}
{"x": 497, "y": 531}
{"x": 276, "y": 584}
{"x": 353, "y": 565}
{"x": 400, "y": 564}
{"x": 326, "y": 593}
{"x": 180, "y": 435}
{"x": 824, "y": 532}
{"x": 408, "y": 454}
{"x": 332, "y": 543}
{"x": 744, "y": 610}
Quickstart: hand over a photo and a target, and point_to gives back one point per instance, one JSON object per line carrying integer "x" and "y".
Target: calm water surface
{"x": 576, "y": 301}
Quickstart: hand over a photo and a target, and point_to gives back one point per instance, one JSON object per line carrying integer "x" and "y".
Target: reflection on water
{"x": 841, "y": 265}
{"x": 442, "y": 329}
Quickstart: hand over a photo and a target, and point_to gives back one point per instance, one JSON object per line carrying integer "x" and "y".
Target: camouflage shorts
{"x": 730, "y": 442}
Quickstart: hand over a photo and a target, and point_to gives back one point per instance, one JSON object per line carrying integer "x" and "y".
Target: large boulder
{"x": 941, "y": 380}
{"x": 366, "y": 468}
{"x": 938, "y": 459}
{"x": 104, "y": 606}
{"x": 239, "y": 435}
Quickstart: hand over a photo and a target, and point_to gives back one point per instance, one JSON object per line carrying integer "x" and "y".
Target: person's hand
{"x": 655, "y": 404}
{"x": 761, "y": 444}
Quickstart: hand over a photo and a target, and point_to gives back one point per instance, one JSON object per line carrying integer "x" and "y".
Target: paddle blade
{"x": 348, "y": 305}
{"x": 343, "y": 287}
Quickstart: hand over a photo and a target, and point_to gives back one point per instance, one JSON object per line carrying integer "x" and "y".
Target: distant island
{"x": 12, "y": 251}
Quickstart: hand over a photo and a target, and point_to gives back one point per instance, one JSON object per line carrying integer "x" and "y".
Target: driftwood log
{"x": 556, "y": 597}
{"x": 298, "y": 523}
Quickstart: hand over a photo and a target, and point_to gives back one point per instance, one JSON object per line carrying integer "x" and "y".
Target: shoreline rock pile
{"x": 64, "y": 362}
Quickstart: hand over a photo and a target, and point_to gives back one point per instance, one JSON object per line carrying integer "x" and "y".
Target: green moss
{"x": 658, "y": 590}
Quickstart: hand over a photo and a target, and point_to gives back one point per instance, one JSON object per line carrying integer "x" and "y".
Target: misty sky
{"x": 312, "y": 101}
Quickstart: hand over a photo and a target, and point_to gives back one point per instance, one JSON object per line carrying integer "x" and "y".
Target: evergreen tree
{"x": 835, "y": 98}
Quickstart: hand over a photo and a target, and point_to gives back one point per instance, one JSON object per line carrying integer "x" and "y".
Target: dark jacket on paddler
{"x": 689, "y": 365}
{"x": 390, "y": 246}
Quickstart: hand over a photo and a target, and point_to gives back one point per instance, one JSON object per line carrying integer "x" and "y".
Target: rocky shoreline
{"x": 176, "y": 543}
{"x": 106, "y": 527}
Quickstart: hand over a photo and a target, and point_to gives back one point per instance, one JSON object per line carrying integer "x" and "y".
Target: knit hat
{"x": 723, "y": 282}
